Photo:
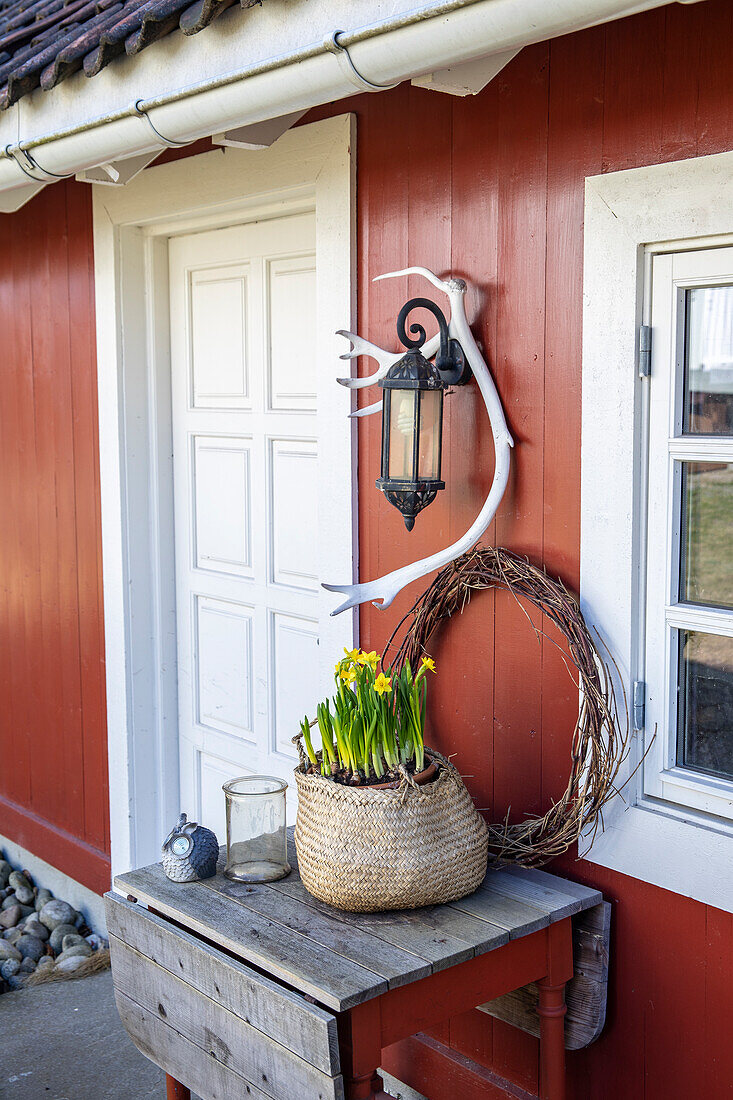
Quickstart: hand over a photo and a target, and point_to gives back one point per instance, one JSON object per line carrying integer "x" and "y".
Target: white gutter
{"x": 385, "y": 53}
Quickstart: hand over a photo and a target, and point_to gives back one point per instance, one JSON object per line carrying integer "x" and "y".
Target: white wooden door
{"x": 249, "y": 525}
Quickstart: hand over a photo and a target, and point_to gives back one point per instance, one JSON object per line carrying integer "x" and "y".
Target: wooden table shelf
{"x": 262, "y": 991}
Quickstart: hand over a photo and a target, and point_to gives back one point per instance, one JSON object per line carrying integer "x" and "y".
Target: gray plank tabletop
{"x": 342, "y": 959}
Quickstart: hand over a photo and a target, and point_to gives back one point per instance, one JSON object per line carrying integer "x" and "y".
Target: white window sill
{"x": 669, "y": 848}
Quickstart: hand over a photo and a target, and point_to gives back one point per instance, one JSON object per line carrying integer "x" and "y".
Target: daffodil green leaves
{"x": 377, "y": 721}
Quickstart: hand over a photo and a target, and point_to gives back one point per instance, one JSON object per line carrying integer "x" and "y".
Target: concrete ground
{"x": 64, "y": 1041}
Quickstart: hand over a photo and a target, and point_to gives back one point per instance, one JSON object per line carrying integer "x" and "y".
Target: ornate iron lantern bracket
{"x": 383, "y": 590}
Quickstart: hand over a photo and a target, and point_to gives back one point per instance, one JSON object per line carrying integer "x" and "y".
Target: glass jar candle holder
{"x": 256, "y": 836}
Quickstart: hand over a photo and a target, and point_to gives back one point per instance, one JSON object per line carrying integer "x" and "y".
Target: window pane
{"x": 402, "y": 434}
{"x": 705, "y": 727}
{"x": 708, "y": 398}
{"x": 706, "y": 560}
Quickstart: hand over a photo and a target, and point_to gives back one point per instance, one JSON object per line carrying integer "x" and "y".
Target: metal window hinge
{"x": 645, "y": 351}
{"x": 639, "y": 704}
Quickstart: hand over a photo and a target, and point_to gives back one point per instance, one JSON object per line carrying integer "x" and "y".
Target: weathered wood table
{"x": 262, "y": 992}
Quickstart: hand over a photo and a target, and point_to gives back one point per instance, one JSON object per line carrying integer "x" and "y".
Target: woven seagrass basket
{"x": 367, "y": 850}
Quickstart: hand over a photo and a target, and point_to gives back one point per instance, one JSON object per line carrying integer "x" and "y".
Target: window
{"x": 688, "y": 643}
{"x": 656, "y": 555}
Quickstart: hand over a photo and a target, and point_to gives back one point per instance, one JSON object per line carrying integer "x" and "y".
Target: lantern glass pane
{"x": 431, "y": 411}
{"x": 401, "y": 433}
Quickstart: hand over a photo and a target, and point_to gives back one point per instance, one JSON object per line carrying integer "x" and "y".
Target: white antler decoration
{"x": 383, "y": 590}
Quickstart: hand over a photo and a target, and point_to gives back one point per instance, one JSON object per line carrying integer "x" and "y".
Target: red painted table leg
{"x": 551, "y": 1011}
{"x": 361, "y": 1051}
{"x": 365, "y": 1088}
{"x": 174, "y": 1090}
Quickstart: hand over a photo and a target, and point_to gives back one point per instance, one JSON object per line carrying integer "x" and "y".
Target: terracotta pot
{"x": 427, "y": 775}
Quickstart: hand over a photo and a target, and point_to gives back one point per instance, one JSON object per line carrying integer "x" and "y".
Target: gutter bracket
{"x": 141, "y": 112}
{"x": 258, "y": 135}
{"x": 469, "y": 78}
{"x": 30, "y": 167}
{"x": 117, "y": 173}
{"x": 10, "y": 201}
{"x": 348, "y": 68}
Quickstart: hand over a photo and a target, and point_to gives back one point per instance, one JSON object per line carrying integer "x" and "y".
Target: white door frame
{"x": 309, "y": 166}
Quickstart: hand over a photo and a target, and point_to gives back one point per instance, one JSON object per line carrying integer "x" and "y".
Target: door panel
{"x": 293, "y": 484}
{"x": 218, "y": 324}
{"x": 245, "y": 395}
{"x": 223, "y": 534}
{"x": 291, "y": 290}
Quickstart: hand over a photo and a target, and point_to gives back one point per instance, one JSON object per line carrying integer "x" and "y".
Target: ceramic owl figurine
{"x": 190, "y": 852}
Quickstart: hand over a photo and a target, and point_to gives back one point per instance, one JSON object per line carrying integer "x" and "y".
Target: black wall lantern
{"x": 412, "y": 415}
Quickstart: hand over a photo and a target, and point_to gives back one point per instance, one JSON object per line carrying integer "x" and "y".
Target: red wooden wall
{"x": 490, "y": 188}
{"x": 53, "y": 747}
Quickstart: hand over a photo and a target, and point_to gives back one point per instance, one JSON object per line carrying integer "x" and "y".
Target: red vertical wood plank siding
{"x": 714, "y": 100}
{"x": 382, "y": 235}
{"x": 468, "y": 650}
{"x": 491, "y": 188}
{"x": 640, "y": 91}
{"x": 717, "y": 1073}
{"x": 474, "y": 255}
{"x": 53, "y": 783}
{"x": 520, "y": 357}
{"x": 21, "y": 551}
{"x": 86, "y": 472}
{"x": 574, "y": 138}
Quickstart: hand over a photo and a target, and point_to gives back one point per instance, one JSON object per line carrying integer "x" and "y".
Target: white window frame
{"x": 631, "y": 217}
{"x": 671, "y": 274}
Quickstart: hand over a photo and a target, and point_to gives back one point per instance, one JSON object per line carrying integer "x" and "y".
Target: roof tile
{"x": 44, "y": 41}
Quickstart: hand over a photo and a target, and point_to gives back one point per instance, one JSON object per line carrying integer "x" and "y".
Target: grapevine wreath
{"x": 599, "y": 744}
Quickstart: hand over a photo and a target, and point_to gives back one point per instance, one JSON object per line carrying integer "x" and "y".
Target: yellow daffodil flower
{"x": 428, "y": 663}
{"x": 352, "y": 655}
{"x": 371, "y": 659}
{"x": 348, "y": 675}
{"x": 382, "y": 684}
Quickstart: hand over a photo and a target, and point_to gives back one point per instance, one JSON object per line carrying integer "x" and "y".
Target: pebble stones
{"x": 8, "y": 951}
{"x": 72, "y": 939}
{"x": 9, "y": 917}
{"x": 56, "y": 939}
{"x": 30, "y": 947}
{"x": 70, "y": 962}
{"x": 78, "y": 950}
{"x": 23, "y": 889}
{"x": 9, "y": 968}
{"x": 33, "y": 927}
{"x": 39, "y": 933}
{"x": 41, "y": 898}
{"x": 56, "y": 912}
